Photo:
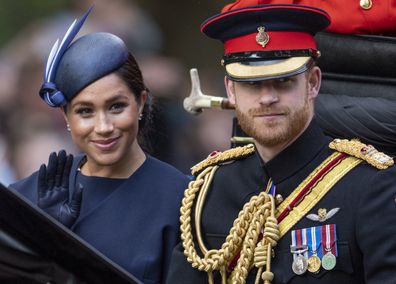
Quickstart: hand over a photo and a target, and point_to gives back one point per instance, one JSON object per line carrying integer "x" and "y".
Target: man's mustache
{"x": 269, "y": 111}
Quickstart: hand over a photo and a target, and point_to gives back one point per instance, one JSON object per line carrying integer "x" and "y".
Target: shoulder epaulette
{"x": 362, "y": 151}
{"x": 220, "y": 157}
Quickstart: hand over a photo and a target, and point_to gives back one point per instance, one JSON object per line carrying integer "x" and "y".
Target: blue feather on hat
{"x": 49, "y": 92}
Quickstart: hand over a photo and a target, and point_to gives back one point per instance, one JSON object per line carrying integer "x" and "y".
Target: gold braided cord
{"x": 257, "y": 216}
{"x": 263, "y": 210}
{"x": 362, "y": 151}
{"x": 243, "y": 235}
{"x": 271, "y": 235}
{"x": 200, "y": 201}
{"x": 228, "y": 155}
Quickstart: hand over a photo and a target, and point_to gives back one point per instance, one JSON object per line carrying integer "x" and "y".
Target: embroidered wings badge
{"x": 323, "y": 215}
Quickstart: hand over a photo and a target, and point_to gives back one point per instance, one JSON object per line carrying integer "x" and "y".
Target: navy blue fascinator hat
{"x": 73, "y": 66}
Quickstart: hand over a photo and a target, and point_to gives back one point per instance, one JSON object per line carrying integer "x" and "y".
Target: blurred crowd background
{"x": 165, "y": 38}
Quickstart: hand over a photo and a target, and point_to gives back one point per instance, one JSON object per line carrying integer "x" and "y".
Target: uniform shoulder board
{"x": 219, "y": 157}
{"x": 362, "y": 151}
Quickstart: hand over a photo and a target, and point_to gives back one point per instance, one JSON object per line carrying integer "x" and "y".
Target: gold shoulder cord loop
{"x": 242, "y": 237}
{"x": 199, "y": 206}
{"x": 270, "y": 239}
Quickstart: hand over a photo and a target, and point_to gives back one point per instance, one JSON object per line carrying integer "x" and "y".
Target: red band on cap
{"x": 279, "y": 40}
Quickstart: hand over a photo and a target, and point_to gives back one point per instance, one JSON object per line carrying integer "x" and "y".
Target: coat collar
{"x": 298, "y": 155}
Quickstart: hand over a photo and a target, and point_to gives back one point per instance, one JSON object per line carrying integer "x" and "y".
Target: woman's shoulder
{"x": 29, "y": 183}
{"x": 26, "y": 186}
{"x": 163, "y": 167}
{"x": 165, "y": 170}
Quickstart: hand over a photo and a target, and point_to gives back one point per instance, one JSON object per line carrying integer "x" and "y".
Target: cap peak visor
{"x": 268, "y": 69}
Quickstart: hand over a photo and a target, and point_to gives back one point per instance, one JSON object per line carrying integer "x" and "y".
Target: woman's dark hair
{"x": 131, "y": 74}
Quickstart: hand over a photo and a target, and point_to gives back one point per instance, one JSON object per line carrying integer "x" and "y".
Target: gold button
{"x": 366, "y": 4}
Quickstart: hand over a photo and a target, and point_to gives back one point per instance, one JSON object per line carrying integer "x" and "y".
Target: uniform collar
{"x": 298, "y": 155}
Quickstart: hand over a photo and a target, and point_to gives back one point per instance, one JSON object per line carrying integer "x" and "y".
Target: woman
{"x": 115, "y": 196}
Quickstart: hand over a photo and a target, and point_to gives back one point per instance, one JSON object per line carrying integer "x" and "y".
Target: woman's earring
{"x": 140, "y": 116}
{"x": 68, "y": 127}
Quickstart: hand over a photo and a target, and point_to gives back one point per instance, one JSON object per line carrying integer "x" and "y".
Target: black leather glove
{"x": 53, "y": 189}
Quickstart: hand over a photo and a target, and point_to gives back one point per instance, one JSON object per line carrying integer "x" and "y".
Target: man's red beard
{"x": 275, "y": 132}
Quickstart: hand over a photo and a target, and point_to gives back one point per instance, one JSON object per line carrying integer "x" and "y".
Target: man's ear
{"x": 314, "y": 81}
{"x": 230, "y": 88}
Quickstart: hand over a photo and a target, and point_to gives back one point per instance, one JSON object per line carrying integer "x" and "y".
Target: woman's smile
{"x": 106, "y": 145}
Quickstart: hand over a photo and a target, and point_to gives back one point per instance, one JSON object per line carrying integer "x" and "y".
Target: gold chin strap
{"x": 243, "y": 237}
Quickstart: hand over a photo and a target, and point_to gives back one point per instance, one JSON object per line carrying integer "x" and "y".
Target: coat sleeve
{"x": 376, "y": 227}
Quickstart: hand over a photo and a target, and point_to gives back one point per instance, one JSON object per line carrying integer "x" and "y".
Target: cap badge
{"x": 323, "y": 215}
{"x": 262, "y": 38}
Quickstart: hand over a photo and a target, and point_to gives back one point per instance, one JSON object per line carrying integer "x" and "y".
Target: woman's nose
{"x": 103, "y": 124}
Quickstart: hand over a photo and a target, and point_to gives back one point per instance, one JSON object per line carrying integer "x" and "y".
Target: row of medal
{"x": 314, "y": 248}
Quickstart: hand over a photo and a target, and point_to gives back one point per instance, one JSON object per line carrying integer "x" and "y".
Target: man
{"x": 295, "y": 207}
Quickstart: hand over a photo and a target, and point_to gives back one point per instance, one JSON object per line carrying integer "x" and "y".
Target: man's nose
{"x": 268, "y": 95}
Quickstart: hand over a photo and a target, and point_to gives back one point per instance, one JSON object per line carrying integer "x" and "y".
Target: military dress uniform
{"x": 320, "y": 211}
{"x": 363, "y": 199}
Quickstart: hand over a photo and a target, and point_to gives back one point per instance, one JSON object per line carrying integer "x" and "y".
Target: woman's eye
{"x": 118, "y": 107}
{"x": 84, "y": 111}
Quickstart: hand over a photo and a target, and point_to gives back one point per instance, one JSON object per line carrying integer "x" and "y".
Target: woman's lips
{"x": 105, "y": 145}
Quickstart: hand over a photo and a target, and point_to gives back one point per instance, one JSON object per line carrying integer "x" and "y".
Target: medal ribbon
{"x": 314, "y": 241}
{"x": 271, "y": 189}
{"x": 329, "y": 239}
{"x": 304, "y": 241}
{"x": 299, "y": 240}
{"x": 294, "y": 241}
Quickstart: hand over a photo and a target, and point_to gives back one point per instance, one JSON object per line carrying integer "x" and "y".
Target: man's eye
{"x": 284, "y": 80}
{"x": 252, "y": 84}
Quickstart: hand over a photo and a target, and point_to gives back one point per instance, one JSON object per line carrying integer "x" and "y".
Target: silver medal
{"x": 300, "y": 264}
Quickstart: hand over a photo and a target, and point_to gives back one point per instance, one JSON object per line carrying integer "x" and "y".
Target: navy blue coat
{"x": 137, "y": 224}
{"x": 366, "y": 220}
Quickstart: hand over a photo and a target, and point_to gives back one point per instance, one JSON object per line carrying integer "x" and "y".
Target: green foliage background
{"x": 179, "y": 20}
{"x": 15, "y": 14}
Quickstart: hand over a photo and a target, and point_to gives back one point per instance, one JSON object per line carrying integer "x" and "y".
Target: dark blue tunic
{"x": 366, "y": 221}
{"x": 133, "y": 221}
